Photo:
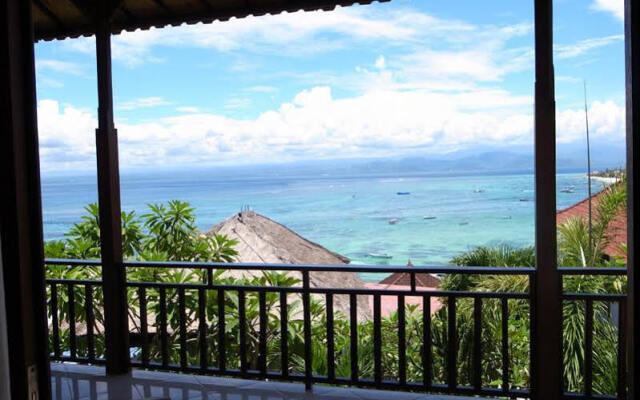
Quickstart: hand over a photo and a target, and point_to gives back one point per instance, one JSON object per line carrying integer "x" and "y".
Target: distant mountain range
{"x": 570, "y": 158}
{"x": 479, "y": 161}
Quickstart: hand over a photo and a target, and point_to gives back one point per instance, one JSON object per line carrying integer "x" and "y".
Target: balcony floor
{"x": 77, "y": 382}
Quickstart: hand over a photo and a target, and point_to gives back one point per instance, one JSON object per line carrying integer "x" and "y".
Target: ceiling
{"x": 61, "y": 19}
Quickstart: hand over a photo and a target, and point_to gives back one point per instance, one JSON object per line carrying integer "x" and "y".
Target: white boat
{"x": 393, "y": 221}
{"x": 379, "y": 255}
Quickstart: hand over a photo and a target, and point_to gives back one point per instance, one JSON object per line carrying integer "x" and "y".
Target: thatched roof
{"x": 262, "y": 240}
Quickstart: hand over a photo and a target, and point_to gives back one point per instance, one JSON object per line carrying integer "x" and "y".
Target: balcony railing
{"x": 211, "y": 327}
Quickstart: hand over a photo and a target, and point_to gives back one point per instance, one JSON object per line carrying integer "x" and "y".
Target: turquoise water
{"x": 348, "y": 214}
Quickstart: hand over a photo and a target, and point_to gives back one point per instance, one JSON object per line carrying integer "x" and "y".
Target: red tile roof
{"x": 617, "y": 231}
{"x": 404, "y": 279}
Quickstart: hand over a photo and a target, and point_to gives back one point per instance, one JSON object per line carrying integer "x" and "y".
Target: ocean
{"x": 347, "y": 212}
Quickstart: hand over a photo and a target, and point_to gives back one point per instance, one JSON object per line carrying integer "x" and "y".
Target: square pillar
{"x": 21, "y": 246}
{"x": 546, "y": 292}
{"x": 113, "y": 271}
{"x": 632, "y": 60}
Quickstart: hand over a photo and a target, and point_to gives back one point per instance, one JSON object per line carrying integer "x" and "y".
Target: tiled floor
{"x": 76, "y": 382}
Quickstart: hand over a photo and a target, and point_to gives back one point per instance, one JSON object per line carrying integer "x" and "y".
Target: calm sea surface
{"x": 348, "y": 214}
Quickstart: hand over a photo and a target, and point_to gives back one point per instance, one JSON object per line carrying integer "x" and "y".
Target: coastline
{"x": 606, "y": 180}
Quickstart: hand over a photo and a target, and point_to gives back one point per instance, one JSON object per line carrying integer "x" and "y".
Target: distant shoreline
{"x": 605, "y": 179}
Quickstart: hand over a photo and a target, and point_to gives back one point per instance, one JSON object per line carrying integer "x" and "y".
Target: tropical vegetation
{"x": 168, "y": 232}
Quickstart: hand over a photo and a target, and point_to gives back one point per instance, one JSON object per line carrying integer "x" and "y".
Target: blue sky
{"x": 407, "y": 77}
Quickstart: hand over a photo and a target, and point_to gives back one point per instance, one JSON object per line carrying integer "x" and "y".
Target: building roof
{"x": 262, "y": 240}
{"x": 404, "y": 279}
{"x": 61, "y": 19}
{"x": 617, "y": 232}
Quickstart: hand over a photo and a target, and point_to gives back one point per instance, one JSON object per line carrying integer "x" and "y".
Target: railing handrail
{"x": 306, "y": 267}
{"x": 592, "y": 270}
{"x": 301, "y": 290}
{"x": 346, "y": 267}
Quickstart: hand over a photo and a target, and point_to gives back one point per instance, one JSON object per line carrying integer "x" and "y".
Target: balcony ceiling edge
{"x": 64, "y": 19}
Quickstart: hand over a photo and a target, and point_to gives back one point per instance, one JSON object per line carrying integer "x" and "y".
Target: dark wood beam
{"x": 632, "y": 62}
{"x": 48, "y": 13}
{"x": 110, "y": 7}
{"x": 547, "y": 339}
{"x": 21, "y": 239}
{"x": 113, "y": 272}
{"x": 87, "y": 9}
{"x": 162, "y": 5}
{"x": 125, "y": 11}
{"x": 206, "y": 5}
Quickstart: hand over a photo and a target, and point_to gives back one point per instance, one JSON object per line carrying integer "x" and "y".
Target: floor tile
{"x": 79, "y": 382}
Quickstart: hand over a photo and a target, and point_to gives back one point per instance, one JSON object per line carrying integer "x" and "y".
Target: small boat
{"x": 393, "y": 221}
{"x": 380, "y": 255}
{"x": 567, "y": 190}
{"x": 429, "y": 217}
{"x": 403, "y": 193}
{"x": 478, "y": 191}
{"x": 464, "y": 223}
{"x": 524, "y": 199}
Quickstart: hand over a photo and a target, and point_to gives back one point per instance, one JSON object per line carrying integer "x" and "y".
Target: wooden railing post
{"x": 632, "y": 52}
{"x": 546, "y": 357}
{"x": 113, "y": 272}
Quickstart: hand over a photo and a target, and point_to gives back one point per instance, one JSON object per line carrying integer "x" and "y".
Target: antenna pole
{"x": 586, "y": 118}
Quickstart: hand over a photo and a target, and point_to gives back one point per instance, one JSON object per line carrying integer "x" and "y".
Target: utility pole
{"x": 586, "y": 118}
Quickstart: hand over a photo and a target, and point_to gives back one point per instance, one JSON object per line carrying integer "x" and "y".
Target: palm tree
{"x": 576, "y": 248}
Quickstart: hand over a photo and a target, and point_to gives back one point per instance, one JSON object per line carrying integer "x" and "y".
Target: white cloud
{"x": 435, "y": 95}
{"x": 428, "y": 51}
{"x": 307, "y": 33}
{"x": 606, "y": 122}
{"x": 237, "y": 103}
{"x": 288, "y": 33}
{"x": 49, "y": 82}
{"x": 44, "y": 67}
{"x": 584, "y": 46}
{"x": 143, "y": 102}
{"x": 568, "y": 79}
{"x": 262, "y": 89}
{"x": 65, "y": 67}
{"x": 315, "y": 125}
{"x": 66, "y": 136}
{"x": 615, "y": 7}
{"x": 187, "y": 109}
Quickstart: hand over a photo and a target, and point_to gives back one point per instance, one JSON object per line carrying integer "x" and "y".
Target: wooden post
{"x": 113, "y": 272}
{"x": 21, "y": 249}
{"x": 632, "y": 60}
{"x": 547, "y": 354}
